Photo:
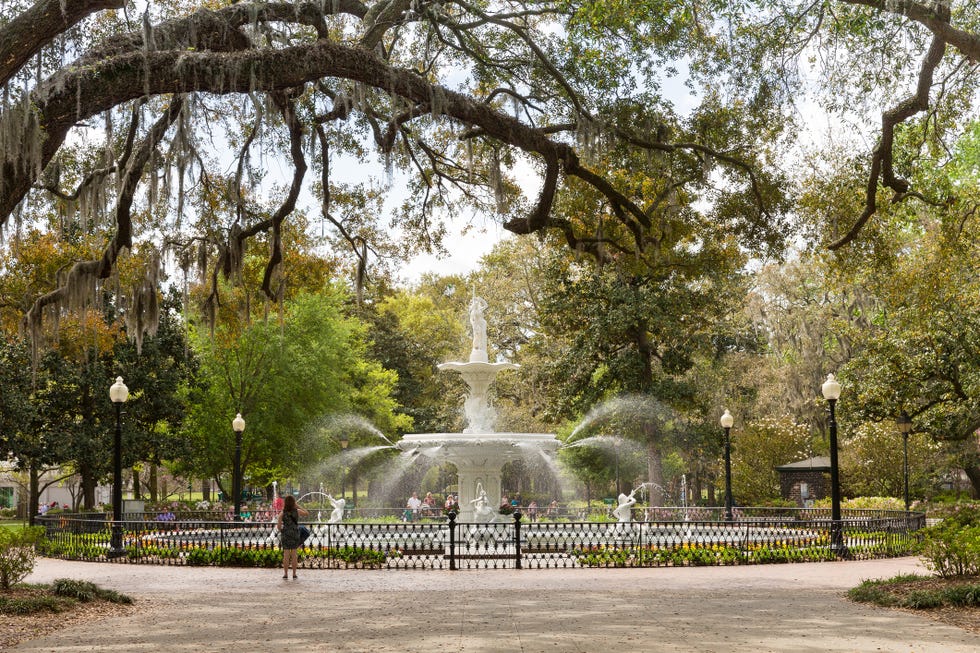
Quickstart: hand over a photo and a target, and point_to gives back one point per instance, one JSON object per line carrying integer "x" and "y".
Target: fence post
{"x": 452, "y": 540}
{"x": 640, "y": 553}
{"x": 517, "y": 538}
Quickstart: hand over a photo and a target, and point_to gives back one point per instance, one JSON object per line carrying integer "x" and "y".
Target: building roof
{"x": 815, "y": 464}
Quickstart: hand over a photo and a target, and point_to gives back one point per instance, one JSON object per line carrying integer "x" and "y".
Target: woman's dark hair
{"x": 290, "y": 503}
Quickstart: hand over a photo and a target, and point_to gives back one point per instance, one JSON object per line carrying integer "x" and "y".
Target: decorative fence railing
{"x": 755, "y": 536}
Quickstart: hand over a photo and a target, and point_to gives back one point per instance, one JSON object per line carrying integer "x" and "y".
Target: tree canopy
{"x": 161, "y": 123}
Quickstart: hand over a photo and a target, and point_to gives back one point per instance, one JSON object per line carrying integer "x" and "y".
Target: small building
{"x": 805, "y": 481}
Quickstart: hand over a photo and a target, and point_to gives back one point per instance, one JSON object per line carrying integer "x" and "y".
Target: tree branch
{"x": 27, "y": 33}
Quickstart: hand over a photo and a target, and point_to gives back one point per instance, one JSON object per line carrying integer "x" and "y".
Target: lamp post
{"x": 904, "y": 427}
{"x": 726, "y": 423}
{"x": 831, "y": 392}
{"x": 344, "y": 443}
{"x": 238, "y": 424}
{"x": 118, "y": 393}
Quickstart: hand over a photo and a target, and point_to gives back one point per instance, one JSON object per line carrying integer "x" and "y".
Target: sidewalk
{"x": 795, "y": 607}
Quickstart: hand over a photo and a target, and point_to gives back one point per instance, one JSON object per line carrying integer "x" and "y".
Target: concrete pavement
{"x": 792, "y": 607}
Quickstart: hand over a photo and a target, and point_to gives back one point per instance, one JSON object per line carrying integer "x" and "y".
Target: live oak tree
{"x": 113, "y": 117}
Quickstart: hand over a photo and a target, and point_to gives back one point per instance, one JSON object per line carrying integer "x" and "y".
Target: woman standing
{"x": 289, "y": 533}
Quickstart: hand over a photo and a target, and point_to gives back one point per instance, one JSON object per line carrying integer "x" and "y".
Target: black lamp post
{"x": 726, "y": 423}
{"x": 238, "y": 424}
{"x": 118, "y": 393}
{"x": 344, "y": 443}
{"x": 831, "y": 392}
{"x": 905, "y": 426}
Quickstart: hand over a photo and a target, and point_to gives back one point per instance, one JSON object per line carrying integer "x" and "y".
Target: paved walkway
{"x": 795, "y": 607}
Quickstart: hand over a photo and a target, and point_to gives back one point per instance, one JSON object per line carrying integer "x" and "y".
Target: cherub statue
{"x": 623, "y": 512}
{"x": 337, "y": 515}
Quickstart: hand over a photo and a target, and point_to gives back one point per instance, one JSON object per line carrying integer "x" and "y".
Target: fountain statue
{"x": 337, "y": 514}
{"x": 482, "y": 510}
{"x": 624, "y": 511}
{"x": 479, "y": 453}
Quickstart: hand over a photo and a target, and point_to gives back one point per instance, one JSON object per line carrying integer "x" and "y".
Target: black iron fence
{"x": 687, "y": 538}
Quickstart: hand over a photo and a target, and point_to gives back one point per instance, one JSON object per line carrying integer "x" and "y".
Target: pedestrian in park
{"x": 289, "y": 533}
{"x": 413, "y": 506}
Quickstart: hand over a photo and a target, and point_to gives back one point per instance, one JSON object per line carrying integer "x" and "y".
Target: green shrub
{"x": 871, "y": 591}
{"x": 83, "y": 590}
{"x": 952, "y": 547}
{"x": 11, "y": 605}
{"x": 923, "y": 600}
{"x": 17, "y": 553}
{"x": 963, "y": 596}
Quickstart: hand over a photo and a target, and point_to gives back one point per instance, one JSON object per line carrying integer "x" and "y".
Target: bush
{"x": 17, "y": 553}
{"x": 952, "y": 547}
{"x": 83, "y": 590}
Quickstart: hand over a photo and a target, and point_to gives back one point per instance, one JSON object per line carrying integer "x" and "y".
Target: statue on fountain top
{"x": 623, "y": 512}
{"x": 479, "y": 323}
{"x": 482, "y": 510}
{"x": 337, "y": 515}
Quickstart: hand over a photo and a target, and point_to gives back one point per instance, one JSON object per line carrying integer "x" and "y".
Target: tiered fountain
{"x": 479, "y": 453}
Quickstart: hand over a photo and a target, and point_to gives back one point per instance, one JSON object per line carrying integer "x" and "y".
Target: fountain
{"x": 479, "y": 453}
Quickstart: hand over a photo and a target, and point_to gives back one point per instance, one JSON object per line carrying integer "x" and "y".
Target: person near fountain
{"x": 337, "y": 515}
{"x": 532, "y": 510}
{"x": 288, "y": 524}
{"x": 412, "y": 507}
{"x": 553, "y": 508}
{"x": 624, "y": 511}
{"x": 451, "y": 505}
{"x": 429, "y": 505}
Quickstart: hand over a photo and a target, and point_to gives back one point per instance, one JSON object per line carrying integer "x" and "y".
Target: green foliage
{"x": 699, "y": 555}
{"x": 901, "y": 591}
{"x": 952, "y": 547}
{"x": 760, "y": 447}
{"x": 316, "y": 358}
{"x": 17, "y": 553}
{"x": 85, "y": 591}
{"x": 234, "y": 557}
{"x": 10, "y": 605}
{"x": 871, "y": 591}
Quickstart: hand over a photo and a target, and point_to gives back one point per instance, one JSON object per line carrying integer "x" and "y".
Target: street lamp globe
{"x": 727, "y": 421}
{"x": 238, "y": 424}
{"x": 118, "y": 392}
{"x": 831, "y": 388}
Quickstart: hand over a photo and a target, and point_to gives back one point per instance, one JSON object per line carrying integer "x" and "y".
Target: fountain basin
{"x": 479, "y": 458}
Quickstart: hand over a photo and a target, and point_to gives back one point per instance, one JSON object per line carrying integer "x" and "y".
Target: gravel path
{"x": 796, "y": 607}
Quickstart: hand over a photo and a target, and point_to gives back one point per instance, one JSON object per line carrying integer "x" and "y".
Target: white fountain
{"x": 479, "y": 453}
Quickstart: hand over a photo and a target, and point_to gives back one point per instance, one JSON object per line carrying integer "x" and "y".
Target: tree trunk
{"x": 973, "y": 473}
{"x": 33, "y": 494}
{"x": 88, "y": 491}
{"x": 153, "y": 480}
{"x": 136, "y": 484}
{"x": 206, "y": 490}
